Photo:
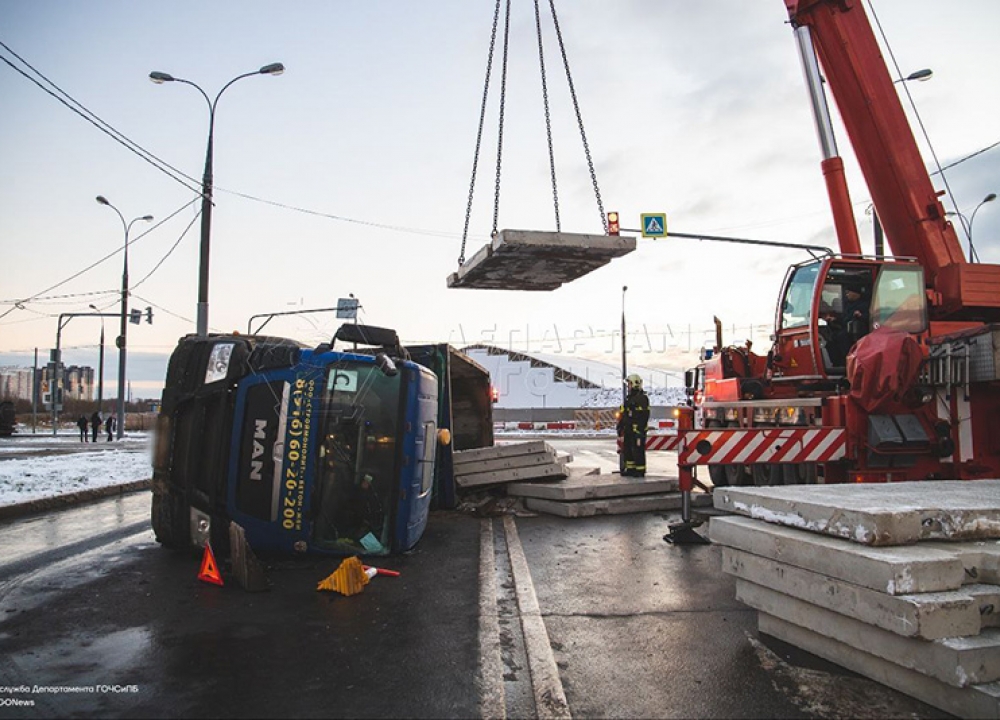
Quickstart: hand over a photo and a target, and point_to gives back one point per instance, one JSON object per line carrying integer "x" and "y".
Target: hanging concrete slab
{"x": 535, "y": 260}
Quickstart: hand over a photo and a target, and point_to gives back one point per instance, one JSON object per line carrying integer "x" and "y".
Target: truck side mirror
{"x": 385, "y": 364}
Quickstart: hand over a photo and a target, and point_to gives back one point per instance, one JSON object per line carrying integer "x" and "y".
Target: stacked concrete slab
{"x": 503, "y": 464}
{"x": 898, "y": 582}
{"x": 586, "y": 492}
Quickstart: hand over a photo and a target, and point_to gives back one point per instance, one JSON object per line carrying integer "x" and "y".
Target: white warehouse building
{"x": 542, "y": 380}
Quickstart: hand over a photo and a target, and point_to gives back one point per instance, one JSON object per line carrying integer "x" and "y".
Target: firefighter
{"x": 632, "y": 422}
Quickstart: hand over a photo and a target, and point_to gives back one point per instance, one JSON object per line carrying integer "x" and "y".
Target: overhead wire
{"x": 18, "y": 304}
{"x": 97, "y": 122}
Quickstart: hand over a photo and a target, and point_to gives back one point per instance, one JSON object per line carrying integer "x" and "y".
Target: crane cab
{"x": 827, "y": 305}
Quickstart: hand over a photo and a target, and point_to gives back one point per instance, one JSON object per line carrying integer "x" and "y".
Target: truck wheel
{"x": 799, "y": 474}
{"x": 169, "y": 517}
{"x": 765, "y": 475}
{"x": 717, "y": 473}
{"x": 737, "y": 475}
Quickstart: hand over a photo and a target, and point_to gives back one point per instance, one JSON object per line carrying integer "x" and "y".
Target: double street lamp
{"x": 967, "y": 224}
{"x": 206, "y": 182}
{"x": 122, "y": 338}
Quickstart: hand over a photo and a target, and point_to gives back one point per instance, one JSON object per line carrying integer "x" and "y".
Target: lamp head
{"x": 160, "y": 77}
{"x": 921, "y": 75}
{"x": 147, "y": 218}
{"x": 272, "y": 69}
{"x": 102, "y": 200}
{"x": 990, "y": 198}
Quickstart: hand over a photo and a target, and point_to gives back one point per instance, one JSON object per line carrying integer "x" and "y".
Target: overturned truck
{"x": 336, "y": 451}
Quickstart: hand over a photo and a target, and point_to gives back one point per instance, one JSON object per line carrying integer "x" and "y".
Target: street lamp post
{"x": 100, "y": 368}
{"x": 121, "y": 342}
{"x": 967, "y": 224}
{"x": 973, "y": 256}
{"x": 920, "y": 75}
{"x": 206, "y": 182}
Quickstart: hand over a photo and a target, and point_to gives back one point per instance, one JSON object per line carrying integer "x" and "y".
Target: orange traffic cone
{"x": 209, "y": 568}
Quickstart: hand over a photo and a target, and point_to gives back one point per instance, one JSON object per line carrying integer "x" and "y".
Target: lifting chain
{"x": 548, "y": 122}
{"x": 479, "y": 134}
{"x": 579, "y": 119}
{"x": 503, "y": 102}
{"x": 548, "y": 118}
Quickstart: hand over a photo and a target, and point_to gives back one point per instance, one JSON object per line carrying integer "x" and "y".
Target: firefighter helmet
{"x": 634, "y": 381}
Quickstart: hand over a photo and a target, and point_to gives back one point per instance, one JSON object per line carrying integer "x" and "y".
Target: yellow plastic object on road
{"x": 348, "y": 579}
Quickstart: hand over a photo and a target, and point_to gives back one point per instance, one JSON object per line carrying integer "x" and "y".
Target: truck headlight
{"x": 201, "y": 527}
{"x": 218, "y": 362}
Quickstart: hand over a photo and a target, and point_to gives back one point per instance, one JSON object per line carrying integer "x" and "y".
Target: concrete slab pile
{"x": 502, "y": 464}
{"x": 845, "y": 572}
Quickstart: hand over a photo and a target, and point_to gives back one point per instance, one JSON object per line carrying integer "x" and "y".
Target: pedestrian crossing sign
{"x": 654, "y": 225}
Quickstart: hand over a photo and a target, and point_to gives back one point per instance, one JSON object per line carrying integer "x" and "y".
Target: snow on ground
{"x": 95, "y": 466}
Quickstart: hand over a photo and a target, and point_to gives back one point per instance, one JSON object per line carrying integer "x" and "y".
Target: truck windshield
{"x": 357, "y": 465}
{"x": 796, "y": 304}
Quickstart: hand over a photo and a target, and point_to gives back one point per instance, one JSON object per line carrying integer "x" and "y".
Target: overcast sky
{"x": 696, "y": 109}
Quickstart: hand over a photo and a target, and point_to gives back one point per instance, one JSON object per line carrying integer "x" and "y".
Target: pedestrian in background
{"x": 110, "y": 425}
{"x": 95, "y": 424}
{"x": 82, "y": 424}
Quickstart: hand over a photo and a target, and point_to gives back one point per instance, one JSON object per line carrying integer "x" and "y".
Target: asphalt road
{"x": 523, "y": 616}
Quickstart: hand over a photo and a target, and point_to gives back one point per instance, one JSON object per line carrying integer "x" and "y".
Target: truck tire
{"x": 766, "y": 475}
{"x": 169, "y": 517}
{"x": 717, "y": 474}
{"x": 799, "y": 473}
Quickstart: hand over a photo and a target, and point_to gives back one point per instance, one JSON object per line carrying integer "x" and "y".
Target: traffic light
{"x": 613, "y": 226}
{"x": 149, "y": 315}
{"x": 494, "y": 394}
{"x": 135, "y": 316}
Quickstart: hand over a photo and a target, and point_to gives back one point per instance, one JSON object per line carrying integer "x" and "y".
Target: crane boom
{"x": 907, "y": 204}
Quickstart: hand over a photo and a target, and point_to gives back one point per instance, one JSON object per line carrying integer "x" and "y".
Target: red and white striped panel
{"x": 663, "y": 442}
{"x": 762, "y": 445}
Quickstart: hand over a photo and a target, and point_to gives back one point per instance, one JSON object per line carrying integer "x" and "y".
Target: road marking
{"x": 550, "y": 699}
{"x": 492, "y": 704}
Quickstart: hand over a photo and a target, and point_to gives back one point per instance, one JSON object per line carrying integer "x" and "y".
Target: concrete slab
{"x": 981, "y": 560}
{"x": 893, "y": 570}
{"x": 533, "y": 260}
{"x": 976, "y": 701}
{"x": 614, "y": 506}
{"x": 528, "y": 447}
{"x": 590, "y": 487}
{"x": 511, "y": 461}
{"x": 553, "y": 471}
{"x": 988, "y": 599}
{"x": 955, "y": 661}
{"x": 877, "y": 514}
{"x": 930, "y": 616}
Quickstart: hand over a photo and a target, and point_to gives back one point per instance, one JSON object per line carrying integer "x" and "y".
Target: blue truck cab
{"x": 319, "y": 450}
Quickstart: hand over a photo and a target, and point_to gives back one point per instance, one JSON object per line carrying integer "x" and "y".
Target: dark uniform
{"x": 632, "y": 428}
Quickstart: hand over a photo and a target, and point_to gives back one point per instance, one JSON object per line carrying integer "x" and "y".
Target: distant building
{"x": 542, "y": 380}
{"x": 78, "y": 382}
{"x": 15, "y": 383}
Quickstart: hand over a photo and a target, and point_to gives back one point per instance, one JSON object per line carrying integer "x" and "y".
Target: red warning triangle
{"x": 209, "y": 569}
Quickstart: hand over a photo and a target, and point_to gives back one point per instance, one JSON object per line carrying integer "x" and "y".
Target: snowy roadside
{"x": 88, "y": 472}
